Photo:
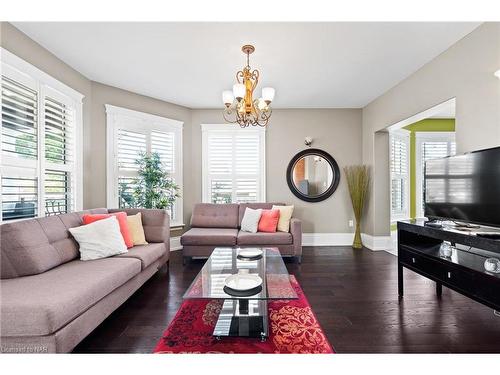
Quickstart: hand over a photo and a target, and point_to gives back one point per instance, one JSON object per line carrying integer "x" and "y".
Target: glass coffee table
{"x": 242, "y": 316}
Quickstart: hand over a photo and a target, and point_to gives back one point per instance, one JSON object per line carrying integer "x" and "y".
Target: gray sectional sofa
{"x": 50, "y": 300}
{"x": 218, "y": 225}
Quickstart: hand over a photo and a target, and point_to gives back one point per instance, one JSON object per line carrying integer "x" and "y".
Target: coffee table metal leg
{"x": 243, "y": 318}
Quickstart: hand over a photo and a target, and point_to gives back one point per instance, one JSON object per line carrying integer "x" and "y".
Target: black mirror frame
{"x": 333, "y": 164}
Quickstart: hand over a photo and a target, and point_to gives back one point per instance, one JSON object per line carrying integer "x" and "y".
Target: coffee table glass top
{"x": 224, "y": 261}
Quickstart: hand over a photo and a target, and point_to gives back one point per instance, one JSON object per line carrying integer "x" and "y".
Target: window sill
{"x": 174, "y": 226}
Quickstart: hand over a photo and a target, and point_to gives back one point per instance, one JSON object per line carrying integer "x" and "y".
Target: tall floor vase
{"x": 358, "y": 182}
{"x": 357, "y": 243}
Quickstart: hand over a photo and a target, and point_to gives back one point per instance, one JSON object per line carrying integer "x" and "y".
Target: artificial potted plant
{"x": 153, "y": 187}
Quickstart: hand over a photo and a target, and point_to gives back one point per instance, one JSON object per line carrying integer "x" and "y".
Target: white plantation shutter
{"x": 130, "y": 146}
{"x": 130, "y": 134}
{"x": 38, "y": 143}
{"x": 59, "y": 132}
{"x": 399, "y": 169}
{"x": 19, "y": 180}
{"x": 58, "y": 192}
{"x": 432, "y": 145}
{"x": 234, "y": 163}
{"x": 19, "y": 120}
{"x": 163, "y": 144}
{"x": 60, "y": 150}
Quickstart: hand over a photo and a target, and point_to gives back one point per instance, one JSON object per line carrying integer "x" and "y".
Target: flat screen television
{"x": 464, "y": 188}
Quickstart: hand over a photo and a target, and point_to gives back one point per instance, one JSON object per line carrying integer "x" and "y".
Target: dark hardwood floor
{"x": 353, "y": 293}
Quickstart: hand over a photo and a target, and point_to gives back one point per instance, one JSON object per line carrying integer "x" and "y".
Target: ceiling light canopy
{"x": 241, "y": 108}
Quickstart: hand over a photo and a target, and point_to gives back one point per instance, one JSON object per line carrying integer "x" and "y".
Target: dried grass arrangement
{"x": 358, "y": 182}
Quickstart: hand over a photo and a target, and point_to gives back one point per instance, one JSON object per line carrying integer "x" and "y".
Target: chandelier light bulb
{"x": 239, "y": 91}
{"x": 268, "y": 94}
{"x": 261, "y": 104}
{"x": 227, "y": 97}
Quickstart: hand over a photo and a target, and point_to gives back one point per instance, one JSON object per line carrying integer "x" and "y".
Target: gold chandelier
{"x": 241, "y": 108}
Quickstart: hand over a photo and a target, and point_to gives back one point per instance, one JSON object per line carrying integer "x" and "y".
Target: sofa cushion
{"x": 41, "y": 304}
{"x": 147, "y": 254}
{"x": 255, "y": 206}
{"x": 26, "y": 250}
{"x": 30, "y": 247}
{"x": 207, "y": 215}
{"x": 264, "y": 239}
{"x": 210, "y": 236}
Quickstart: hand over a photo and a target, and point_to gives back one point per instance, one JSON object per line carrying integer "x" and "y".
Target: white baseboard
{"x": 374, "y": 243}
{"x": 327, "y": 239}
{"x": 175, "y": 243}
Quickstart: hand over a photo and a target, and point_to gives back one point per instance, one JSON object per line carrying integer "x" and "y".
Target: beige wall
{"x": 337, "y": 131}
{"x": 464, "y": 71}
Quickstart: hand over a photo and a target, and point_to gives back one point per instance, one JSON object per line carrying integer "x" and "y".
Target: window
{"x": 130, "y": 133}
{"x": 40, "y": 143}
{"x": 233, "y": 164}
{"x": 399, "y": 168}
{"x": 431, "y": 145}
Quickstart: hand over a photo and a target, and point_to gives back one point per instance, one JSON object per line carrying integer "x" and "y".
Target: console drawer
{"x": 421, "y": 263}
{"x": 460, "y": 279}
{"x": 487, "y": 288}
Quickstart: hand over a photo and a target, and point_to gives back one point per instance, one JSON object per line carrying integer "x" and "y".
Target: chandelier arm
{"x": 255, "y": 77}
{"x": 239, "y": 74}
{"x": 225, "y": 114}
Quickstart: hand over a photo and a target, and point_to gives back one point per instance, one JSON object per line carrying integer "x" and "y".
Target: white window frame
{"x": 421, "y": 137}
{"x": 44, "y": 84}
{"x": 206, "y": 129}
{"x": 140, "y": 121}
{"x": 404, "y": 135}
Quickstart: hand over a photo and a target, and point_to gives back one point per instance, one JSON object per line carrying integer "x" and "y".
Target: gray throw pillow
{"x": 250, "y": 220}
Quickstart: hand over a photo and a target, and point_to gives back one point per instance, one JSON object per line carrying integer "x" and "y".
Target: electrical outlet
{"x": 351, "y": 223}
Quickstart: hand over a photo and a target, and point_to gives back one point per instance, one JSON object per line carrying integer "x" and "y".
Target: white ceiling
{"x": 311, "y": 65}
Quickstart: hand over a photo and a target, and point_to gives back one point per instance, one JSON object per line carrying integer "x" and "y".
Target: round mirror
{"x": 313, "y": 175}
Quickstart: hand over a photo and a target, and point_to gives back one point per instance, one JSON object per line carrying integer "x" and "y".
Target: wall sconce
{"x": 308, "y": 141}
{"x": 497, "y": 73}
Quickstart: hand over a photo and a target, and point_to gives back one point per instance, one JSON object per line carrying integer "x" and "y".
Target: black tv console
{"x": 418, "y": 250}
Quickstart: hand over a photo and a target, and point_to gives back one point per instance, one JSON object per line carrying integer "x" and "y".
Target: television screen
{"x": 464, "y": 188}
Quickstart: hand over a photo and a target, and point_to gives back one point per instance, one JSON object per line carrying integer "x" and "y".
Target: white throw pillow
{"x": 250, "y": 220}
{"x": 285, "y": 217}
{"x": 100, "y": 239}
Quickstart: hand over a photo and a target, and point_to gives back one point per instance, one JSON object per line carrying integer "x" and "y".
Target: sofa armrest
{"x": 156, "y": 223}
{"x": 296, "y": 231}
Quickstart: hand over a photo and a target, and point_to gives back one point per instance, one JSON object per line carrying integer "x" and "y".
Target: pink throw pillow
{"x": 122, "y": 220}
{"x": 269, "y": 221}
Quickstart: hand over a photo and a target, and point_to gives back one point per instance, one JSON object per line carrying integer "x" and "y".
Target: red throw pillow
{"x": 269, "y": 221}
{"x": 122, "y": 221}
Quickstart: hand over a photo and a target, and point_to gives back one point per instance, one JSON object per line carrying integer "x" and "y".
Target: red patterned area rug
{"x": 293, "y": 329}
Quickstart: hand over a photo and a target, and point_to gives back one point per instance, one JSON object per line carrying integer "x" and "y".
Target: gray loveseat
{"x": 218, "y": 225}
{"x": 50, "y": 300}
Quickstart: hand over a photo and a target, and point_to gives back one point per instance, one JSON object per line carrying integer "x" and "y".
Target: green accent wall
{"x": 427, "y": 125}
